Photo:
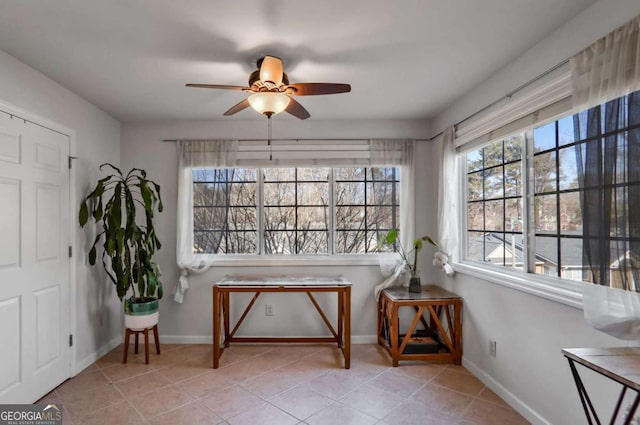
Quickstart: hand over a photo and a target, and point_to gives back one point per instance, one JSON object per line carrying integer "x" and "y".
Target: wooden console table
{"x": 433, "y": 300}
{"x": 621, "y": 365}
{"x": 260, "y": 284}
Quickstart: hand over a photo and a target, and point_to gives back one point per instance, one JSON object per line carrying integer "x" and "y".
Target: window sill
{"x": 282, "y": 261}
{"x": 553, "y": 289}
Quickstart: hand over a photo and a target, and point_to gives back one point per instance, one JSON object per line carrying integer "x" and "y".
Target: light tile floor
{"x": 276, "y": 385}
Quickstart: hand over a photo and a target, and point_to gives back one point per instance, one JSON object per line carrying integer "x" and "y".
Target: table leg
{"x": 457, "y": 329}
{"x": 582, "y": 392}
{"x": 394, "y": 328}
{"x": 347, "y": 328}
{"x": 217, "y": 305}
{"x": 225, "y": 309}
{"x": 340, "y": 315}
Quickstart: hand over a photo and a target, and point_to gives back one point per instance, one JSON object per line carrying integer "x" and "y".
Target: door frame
{"x": 36, "y": 119}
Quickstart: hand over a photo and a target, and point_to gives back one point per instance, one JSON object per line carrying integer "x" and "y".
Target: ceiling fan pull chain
{"x": 269, "y": 139}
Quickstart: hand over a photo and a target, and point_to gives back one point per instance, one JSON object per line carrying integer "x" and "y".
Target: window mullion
{"x": 332, "y": 213}
{"x": 528, "y": 224}
{"x": 260, "y": 210}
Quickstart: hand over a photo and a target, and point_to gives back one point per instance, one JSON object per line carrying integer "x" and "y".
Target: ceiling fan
{"x": 271, "y": 92}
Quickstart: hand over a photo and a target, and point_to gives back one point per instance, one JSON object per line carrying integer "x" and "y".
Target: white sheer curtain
{"x": 607, "y": 69}
{"x": 195, "y": 154}
{"x": 448, "y": 194}
{"x": 604, "y": 71}
{"x": 397, "y": 152}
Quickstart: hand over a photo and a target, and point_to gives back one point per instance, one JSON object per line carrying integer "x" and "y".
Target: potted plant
{"x": 127, "y": 246}
{"x": 391, "y": 238}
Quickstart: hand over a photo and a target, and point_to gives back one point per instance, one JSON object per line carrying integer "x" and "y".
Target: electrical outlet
{"x": 268, "y": 310}
{"x": 492, "y": 348}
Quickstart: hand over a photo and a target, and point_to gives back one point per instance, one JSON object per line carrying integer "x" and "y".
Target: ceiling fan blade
{"x": 271, "y": 70}
{"x": 297, "y": 110}
{"x": 237, "y": 107}
{"x": 217, "y": 86}
{"x": 313, "y": 89}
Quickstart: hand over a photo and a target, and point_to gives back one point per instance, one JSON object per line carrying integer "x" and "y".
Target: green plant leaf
{"x": 430, "y": 240}
{"x": 391, "y": 236}
{"x": 417, "y": 245}
{"x": 97, "y": 213}
{"x": 92, "y": 255}
{"x": 106, "y": 164}
{"x": 160, "y": 290}
{"x": 83, "y": 215}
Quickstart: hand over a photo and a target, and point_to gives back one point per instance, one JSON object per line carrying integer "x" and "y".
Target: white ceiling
{"x": 403, "y": 58}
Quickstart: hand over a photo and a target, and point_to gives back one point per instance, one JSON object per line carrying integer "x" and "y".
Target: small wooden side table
{"x": 440, "y": 305}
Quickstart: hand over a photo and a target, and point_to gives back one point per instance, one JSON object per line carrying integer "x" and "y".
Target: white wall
{"x": 529, "y": 369}
{"x": 97, "y": 311}
{"x": 142, "y": 146}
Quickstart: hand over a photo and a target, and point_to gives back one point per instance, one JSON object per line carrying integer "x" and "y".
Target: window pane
{"x": 571, "y": 259}
{"x": 494, "y": 215}
{"x": 210, "y": 218}
{"x": 474, "y": 160}
{"x": 545, "y": 172}
{"x": 493, "y": 154}
{"x": 474, "y": 186}
{"x": 380, "y": 218}
{"x": 546, "y": 255}
{"x": 546, "y": 213}
{"x": 513, "y": 148}
{"x": 513, "y": 215}
{"x": 619, "y": 215}
{"x": 208, "y": 242}
{"x": 279, "y": 218}
{"x": 279, "y": 242}
{"x": 565, "y": 130}
{"x": 475, "y": 215}
{"x": 242, "y": 218}
{"x": 568, "y": 169}
{"x": 544, "y": 137}
{"x": 384, "y": 174}
{"x": 204, "y": 194}
{"x": 349, "y": 193}
{"x": 314, "y": 218}
{"x": 312, "y": 242}
{"x": 475, "y": 246}
{"x": 351, "y": 217}
{"x": 243, "y": 193}
{"x": 278, "y": 174}
{"x": 570, "y": 214}
{"x": 313, "y": 174}
{"x": 380, "y": 193}
{"x": 241, "y": 174}
{"x": 350, "y": 242}
{"x": 242, "y": 243}
{"x": 513, "y": 179}
{"x": 493, "y": 183}
{"x": 313, "y": 194}
{"x": 351, "y": 173}
{"x": 279, "y": 193}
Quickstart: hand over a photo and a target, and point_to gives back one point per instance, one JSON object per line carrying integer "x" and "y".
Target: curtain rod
{"x": 506, "y": 96}
{"x": 296, "y": 139}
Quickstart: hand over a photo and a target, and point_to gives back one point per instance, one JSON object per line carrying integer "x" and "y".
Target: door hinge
{"x": 70, "y": 340}
{"x": 70, "y": 251}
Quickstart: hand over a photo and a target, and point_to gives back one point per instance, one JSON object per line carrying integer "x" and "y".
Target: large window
{"x": 584, "y": 192}
{"x": 293, "y": 211}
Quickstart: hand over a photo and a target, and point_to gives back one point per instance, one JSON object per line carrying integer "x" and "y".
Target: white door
{"x": 34, "y": 260}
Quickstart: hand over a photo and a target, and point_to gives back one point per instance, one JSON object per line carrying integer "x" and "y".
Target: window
{"x": 293, "y": 211}
{"x": 584, "y": 190}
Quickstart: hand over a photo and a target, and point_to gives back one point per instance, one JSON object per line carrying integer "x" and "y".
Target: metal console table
{"x": 621, "y": 365}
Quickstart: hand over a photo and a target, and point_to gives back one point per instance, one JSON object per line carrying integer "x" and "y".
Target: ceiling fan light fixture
{"x": 269, "y": 103}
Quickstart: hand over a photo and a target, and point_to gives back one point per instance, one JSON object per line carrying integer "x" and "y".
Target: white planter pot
{"x": 138, "y": 323}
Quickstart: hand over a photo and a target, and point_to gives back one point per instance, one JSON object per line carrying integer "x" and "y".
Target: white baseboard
{"x": 91, "y": 358}
{"x": 201, "y": 339}
{"x": 520, "y": 406}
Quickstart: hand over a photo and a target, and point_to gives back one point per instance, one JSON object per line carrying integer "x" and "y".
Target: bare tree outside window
{"x": 302, "y": 211}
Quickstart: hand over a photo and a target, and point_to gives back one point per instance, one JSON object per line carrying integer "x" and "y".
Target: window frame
{"x": 260, "y": 258}
{"x": 552, "y": 287}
